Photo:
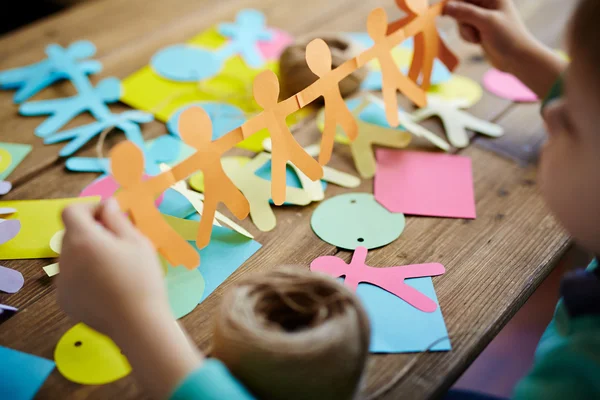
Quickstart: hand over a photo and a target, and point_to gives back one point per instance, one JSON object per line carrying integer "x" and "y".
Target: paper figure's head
{"x": 195, "y": 127}
{"x": 413, "y": 6}
{"x": 377, "y": 22}
{"x": 266, "y": 89}
{"x": 318, "y": 57}
{"x": 127, "y": 164}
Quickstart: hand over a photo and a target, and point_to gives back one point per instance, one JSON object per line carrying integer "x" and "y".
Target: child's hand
{"x": 111, "y": 279}
{"x": 496, "y": 26}
{"x": 109, "y": 272}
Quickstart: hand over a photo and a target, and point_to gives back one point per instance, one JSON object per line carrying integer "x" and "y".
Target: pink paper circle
{"x": 272, "y": 49}
{"x": 508, "y": 87}
{"x": 106, "y": 187}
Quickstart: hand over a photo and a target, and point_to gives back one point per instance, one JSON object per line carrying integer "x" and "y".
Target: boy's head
{"x": 570, "y": 165}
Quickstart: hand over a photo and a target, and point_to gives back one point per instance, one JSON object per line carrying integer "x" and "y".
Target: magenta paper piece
{"x": 272, "y": 49}
{"x": 9, "y": 228}
{"x": 5, "y": 187}
{"x": 11, "y": 281}
{"x": 508, "y": 87}
{"x": 390, "y": 279}
{"x": 106, "y": 187}
{"x": 422, "y": 183}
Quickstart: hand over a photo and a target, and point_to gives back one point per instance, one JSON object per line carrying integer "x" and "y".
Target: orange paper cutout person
{"x": 318, "y": 58}
{"x": 137, "y": 199}
{"x": 428, "y": 45}
{"x": 195, "y": 129}
{"x": 285, "y": 147}
{"x": 392, "y": 79}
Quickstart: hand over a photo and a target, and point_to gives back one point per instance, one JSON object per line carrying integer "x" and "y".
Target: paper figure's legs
{"x": 384, "y": 137}
{"x": 410, "y": 90}
{"x": 297, "y": 196}
{"x": 176, "y": 250}
{"x": 206, "y": 221}
{"x": 234, "y": 200}
{"x": 430, "y": 52}
{"x": 391, "y": 104}
{"x": 413, "y": 297}
{"x": 262, "y": 215}
{"x": 455, "y": 131}
{"x": 278, "y": 178}
{"x": 328, "y": 136}
{"x": 306, "y": 163}
{"x": 364, "y": 160}
{"x": 481, "y": 126}
{"x": 349, "y": 124}
{"x": 417, "y": 61}
{"x": 446, "y": 56}
{"x": 55, "y": 122}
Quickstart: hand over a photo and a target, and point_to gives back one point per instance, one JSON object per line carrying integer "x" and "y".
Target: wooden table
{"x": 493, "y": 263}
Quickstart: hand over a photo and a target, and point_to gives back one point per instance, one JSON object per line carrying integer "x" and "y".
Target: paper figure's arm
{"x": 366, "y": 56}
{"x": 416, "y": 25}
{"x": 253, "y": 125}
{"x": 447, "y": 57}
{"x": 394, "y": 26}
{"x": 287, "y": 106}
{"x": 160, "y": 183}
{"x": 229, "y": 140}
{"x": 185, "y": 168}
{"x": 311, "y": 93}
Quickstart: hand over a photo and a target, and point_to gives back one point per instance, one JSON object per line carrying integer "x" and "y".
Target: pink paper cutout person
{"x": 390, "y": 279}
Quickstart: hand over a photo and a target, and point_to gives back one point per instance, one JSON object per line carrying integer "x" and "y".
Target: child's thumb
{"x": 467, "y": 13}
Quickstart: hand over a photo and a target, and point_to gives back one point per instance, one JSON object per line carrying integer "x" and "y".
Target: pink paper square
{"x": 422, "y": 183}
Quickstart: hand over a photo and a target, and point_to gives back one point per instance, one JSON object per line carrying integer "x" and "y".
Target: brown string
{"x": 293, "y": 334}
{"x": 296, "y": 76}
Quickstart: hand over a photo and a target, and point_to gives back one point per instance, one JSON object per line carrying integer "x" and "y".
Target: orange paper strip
{"x": 137, "y": 199}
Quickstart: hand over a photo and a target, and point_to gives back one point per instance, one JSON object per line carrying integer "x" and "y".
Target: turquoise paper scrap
{"x": 398, "y": 327}
{"x": 226, "y": 252}
{"x": 17, "y": 152}
{"x": 22, "y": 374}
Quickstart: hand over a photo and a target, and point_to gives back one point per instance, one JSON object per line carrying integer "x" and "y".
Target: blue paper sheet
{"x": 22, "y": 374}
{"x": 398, "y": 327}
{"x": 185, "y": 63}
{"x": 11, "y": 155}
{"x": 176, "y": 205}
{"x": 226, "y": 252}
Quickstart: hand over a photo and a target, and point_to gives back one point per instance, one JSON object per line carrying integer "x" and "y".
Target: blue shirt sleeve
{"x": 211, "y": 381}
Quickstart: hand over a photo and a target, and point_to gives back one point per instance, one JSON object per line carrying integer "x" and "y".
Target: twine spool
{"x": 296, "y": 76}
{"x": 292, "y": 334}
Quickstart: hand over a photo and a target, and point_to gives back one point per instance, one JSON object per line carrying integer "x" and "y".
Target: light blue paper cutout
{"x": 291, "y": 179}
{"x": 79, "y": 136}
{"x": 64, "y": 110}
{"x": 176, "y": 205}
{"x": 224, "y": 117}
{"x": 248, "y": 29}
{"x": 17, "y": 153}
{"x": 22, "y": 374}
{"x": 186, "y": 63}
{"x": 164, "y": 149}
{"x": 31, "y": 79}
{"x": 225, "y": 253}
{"x": 372, "y": 114}
{"x": 398, "y": 327}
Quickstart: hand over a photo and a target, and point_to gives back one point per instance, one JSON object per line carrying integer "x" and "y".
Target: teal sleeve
{"x": 211, "y": 381}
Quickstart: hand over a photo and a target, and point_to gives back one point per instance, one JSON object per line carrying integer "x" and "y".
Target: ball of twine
{"x": 293, "y": 334}
{"x": 296, "y": 76}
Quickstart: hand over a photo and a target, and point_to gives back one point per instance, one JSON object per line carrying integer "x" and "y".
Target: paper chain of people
{"x": 127, "y": 163}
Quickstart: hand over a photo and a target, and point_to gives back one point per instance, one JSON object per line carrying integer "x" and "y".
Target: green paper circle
{"x": 356, "y": 220}
{"x": 185, "y": 289}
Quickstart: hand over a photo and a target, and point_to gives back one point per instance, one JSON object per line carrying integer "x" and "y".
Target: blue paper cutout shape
{"x": 225, "y": 253}
{"x": 22, "y": 374}
{"x": 248, "y": 29}
{"x": 80, "y": 135}
{"x": 17, "y": 153}
{"x": 398, "y": 327}
{"x": 185, "y": 63}
{"x": 291, "y": 179}
{"x": 64, "y": 110}
{"x": 372, "y": 113}
{"x": 176, "y": 205}
{"x": 224, "y": 117}
{"x": 164, "y": 149}
{"x": 31, "y": 79}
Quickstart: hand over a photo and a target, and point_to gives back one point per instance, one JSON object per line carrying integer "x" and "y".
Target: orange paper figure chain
{"x": 127, "y": 163}
{"x": 428, "y": 45}
{"x": 137, "y": 199}
{"x": 285, "y": 147}
{"x": 195, "y": 128}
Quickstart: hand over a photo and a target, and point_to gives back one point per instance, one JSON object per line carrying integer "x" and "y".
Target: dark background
{"x": 22, "y": 12}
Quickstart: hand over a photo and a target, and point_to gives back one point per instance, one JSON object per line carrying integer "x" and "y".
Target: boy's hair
{"x": 585, "y": 30}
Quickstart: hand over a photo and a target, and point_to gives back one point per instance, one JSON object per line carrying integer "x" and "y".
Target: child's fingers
{"x": 466, "y": 13}
{"x": 469, "y": 33}
{"x": 79, "y": 218}
{"x": 112, "y": 218}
